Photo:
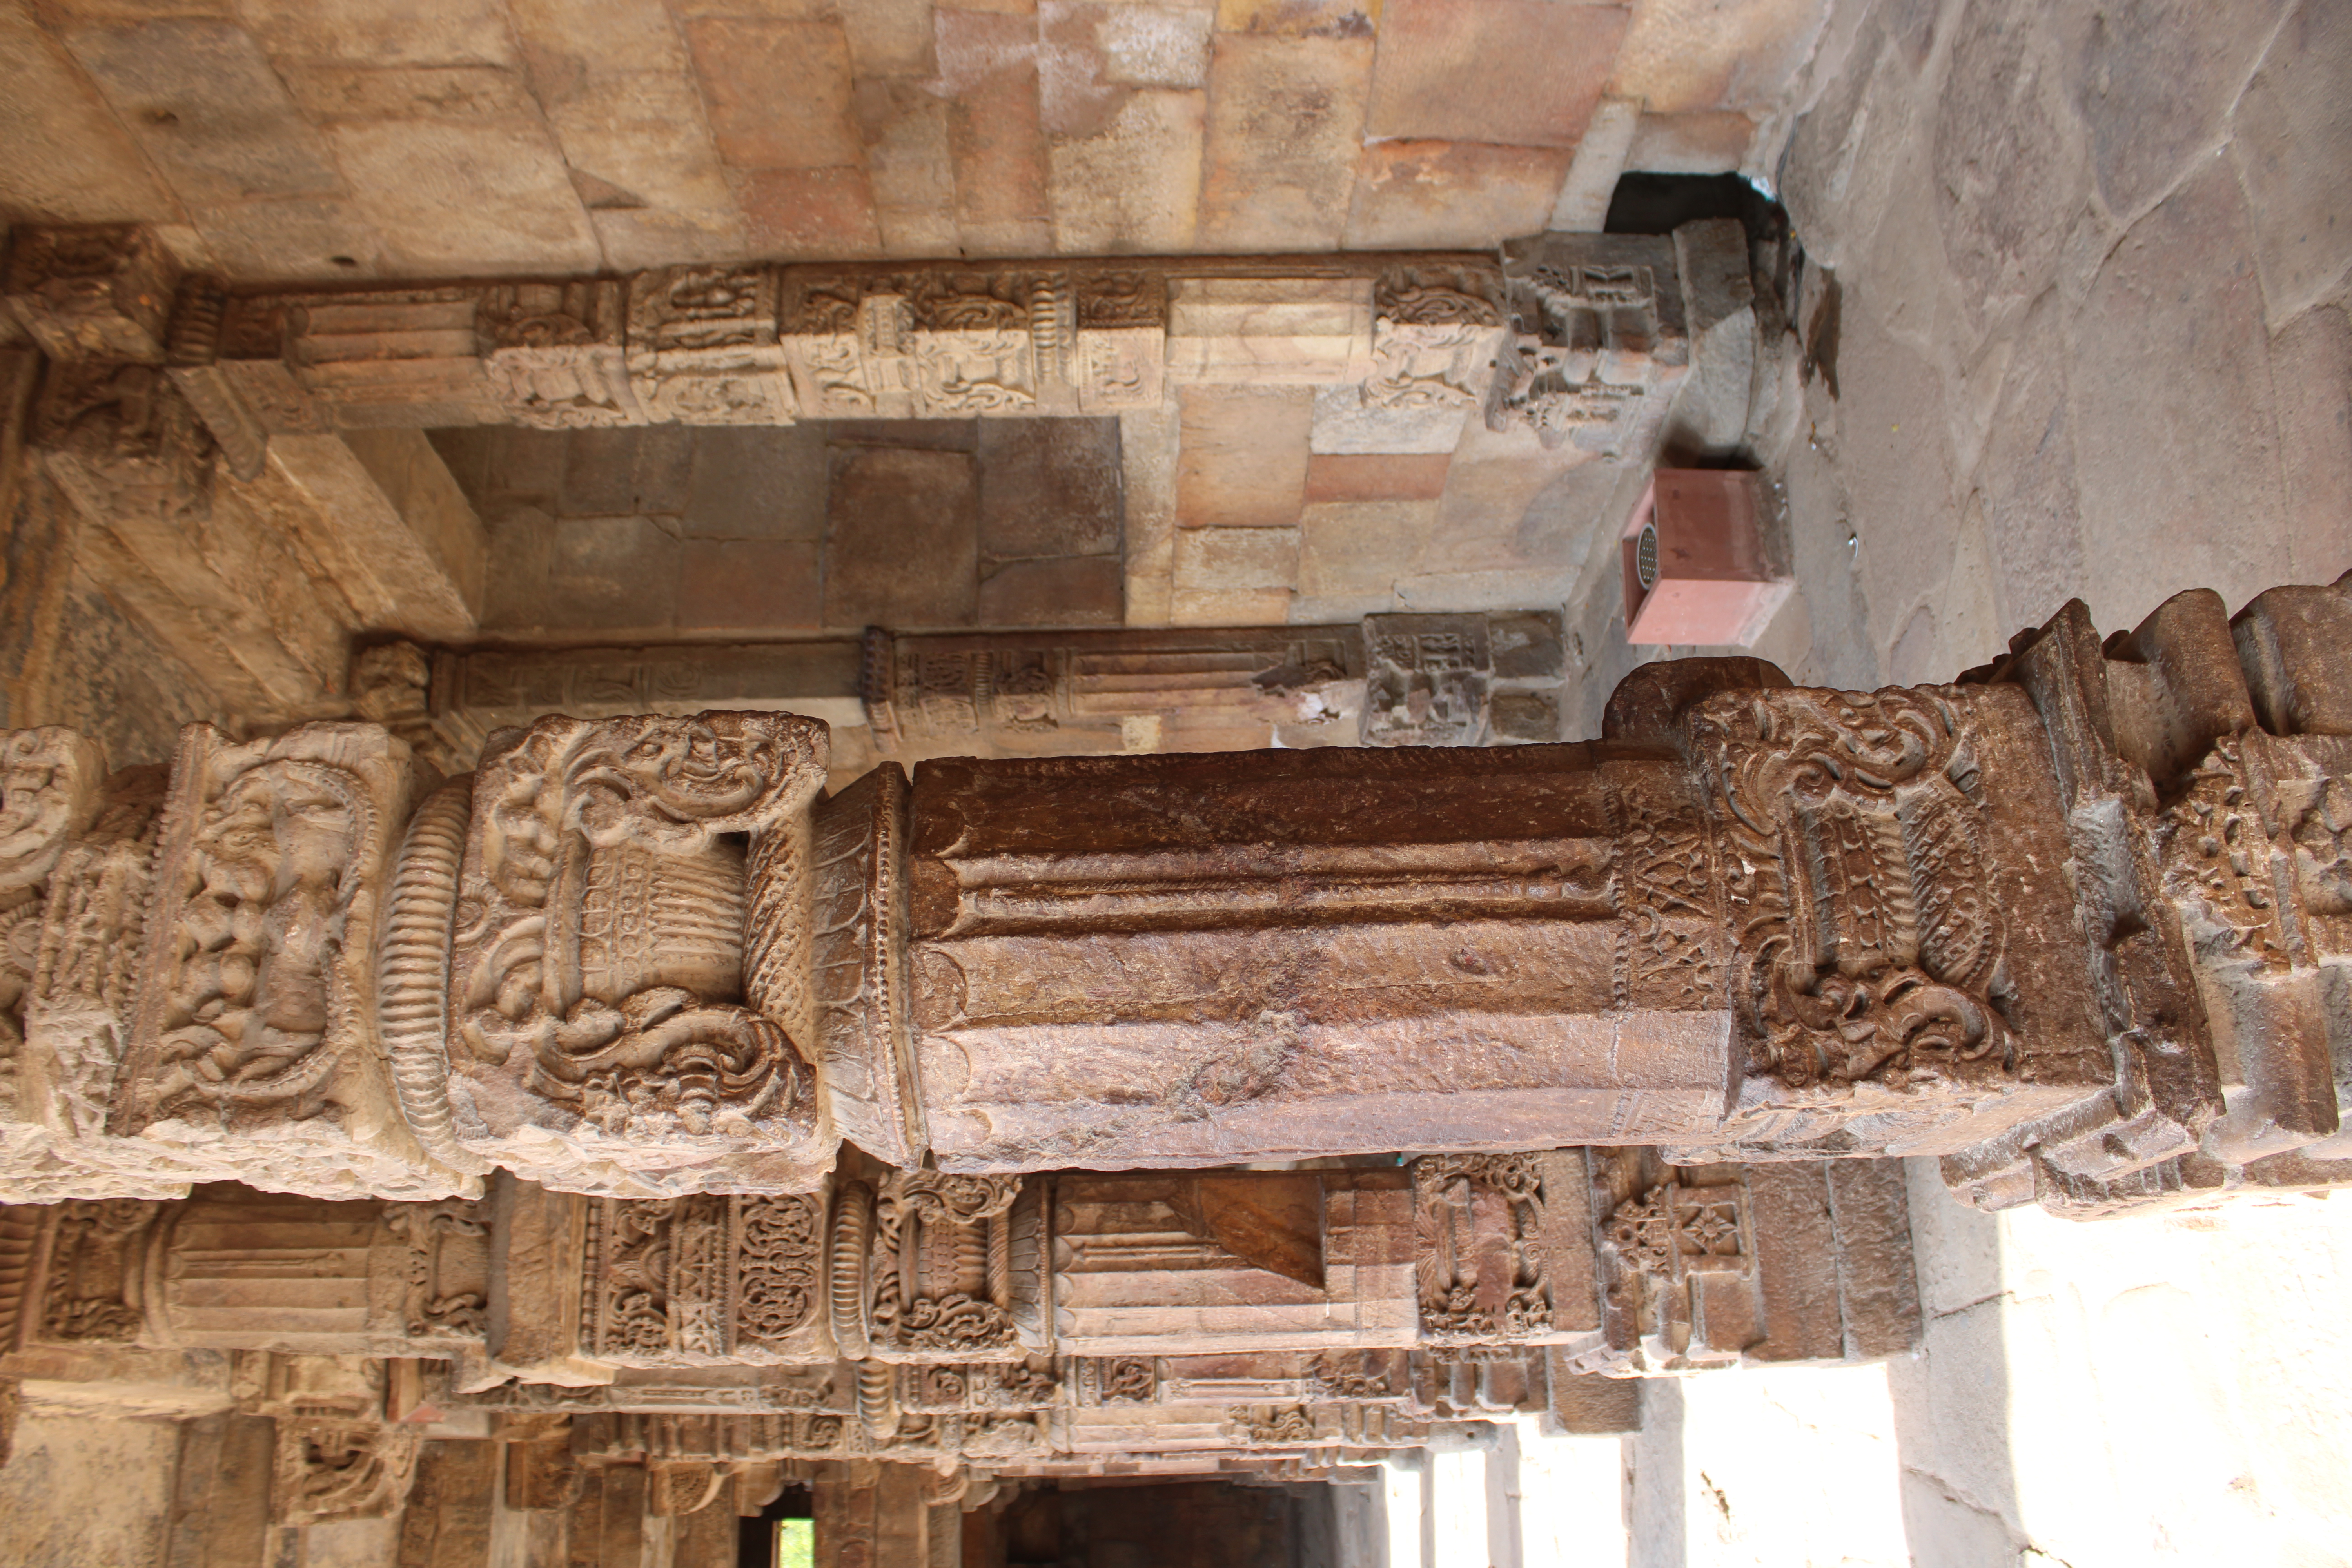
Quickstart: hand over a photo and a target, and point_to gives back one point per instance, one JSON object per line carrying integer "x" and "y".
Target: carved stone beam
{"x": 1715, "y": 1266}
{"x": 1193, "y": 961}
{"x": 629, "y": 978}
{"x": 234, "y": 1269}
{"x": 1597, "y": 342}
{"x": 95, "y": 291}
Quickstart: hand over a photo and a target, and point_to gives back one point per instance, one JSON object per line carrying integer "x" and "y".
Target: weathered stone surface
{"x": 1132, "y": 185}
{"x": 618, "y": 89}
{"x": 1048, "y": 487}
{"x": 1703, "y": 144}
{"x": 75, "y": 162}
{"x": 902, "y": 538}
{"x": 778, "y": 91}
{"x": 2311, "y": 369}
{"x": 1682, "y": 57}
{"x": 2154, "y": 87}
{"x": 1242, "y": 457}
{"x": 1512, "y": 73}
{"x": 1415, "y": 193}
{"x": 2291, "y": 127}
{"x": 1066, "y": 591}
{"x": 1285, "y": 116}
{"x": 2175, "y": 415}
{"x": 996, "y": 134}
{"x": 750, "y": 585}
{"x": 1360, "y": 548}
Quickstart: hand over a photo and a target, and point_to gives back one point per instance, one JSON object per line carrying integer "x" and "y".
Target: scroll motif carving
{"x": 1130, "y": 1379}
{"x": 447, "y": 1272}
{"x": 97, "y": 1270}
{"x": 553, "y": 353}
{"x": 1478, "y": 1220}
{"x": 779, "y": 1281}
{"x": 940, "y": 1276}
{"x": 700, "y": 1280}
{"x": 601, "y": 1044}
{"x": 1671, "y": 940}
{"x": 340, "y": 1469}
{"x": 1870, "y": 948}
{"x": 1271, "y": 1426}
{"x": 2217, "y": 854}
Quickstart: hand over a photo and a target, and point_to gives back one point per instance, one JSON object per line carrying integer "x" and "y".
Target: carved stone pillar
{"x": 626, "y": 980}
{"x": 75, "y": 845}
{"x": 704, "y": 1280}
{"x": 1702, "y": 1266}
{"x": 255, "y": 1049}
{"x": 954, "y": 1268}
{"x": 230, "y": 1268}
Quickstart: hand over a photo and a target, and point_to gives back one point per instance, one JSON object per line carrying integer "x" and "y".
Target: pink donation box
{"x": 1696, "y": 571}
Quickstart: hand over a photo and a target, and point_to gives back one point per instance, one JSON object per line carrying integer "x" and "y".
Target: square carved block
{"x": 1696, "y": 567}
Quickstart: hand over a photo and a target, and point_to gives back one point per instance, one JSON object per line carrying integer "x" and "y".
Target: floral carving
{"x": 600, "y": 926}
{"x": 1466, "y": 1205}
{"x": 1869, "y": 945}
{"x": 776, "y": 1259}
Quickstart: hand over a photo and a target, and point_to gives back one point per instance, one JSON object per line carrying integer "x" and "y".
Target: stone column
{"x": 627, "y": 977}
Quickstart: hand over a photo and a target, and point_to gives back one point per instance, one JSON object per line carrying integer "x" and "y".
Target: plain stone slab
{"x": 452, "y": 196}
{"x": 1285, "y": 119}
{"x": 1229, "y": 560}
{"x": 1048, "y": 487}
{"x": 1131, "y": 184}
{"x": 778, "y": 91}
{"x": 902, "y": 538}
{"x": 1515, "y": 73}
{"x": 750, "y": 585}
{"x": 1452, "y": 194}
{"x": 69, "y": 156}
{"x": 807, "y": 215}
{"x": 644, "y": 469}
{"x": 996, "y": 134}
{"x": 1708, "y": 143}
{"x": 1345, "y": 476}
{"x": 202, "y": 100}
{"x": 1361, "y": 547}
{"x": 1242, "y": 454}
{"x": 1063, "y": 591}
{"x": 757, "y": 483}
{"x": 1687, "y": 56}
